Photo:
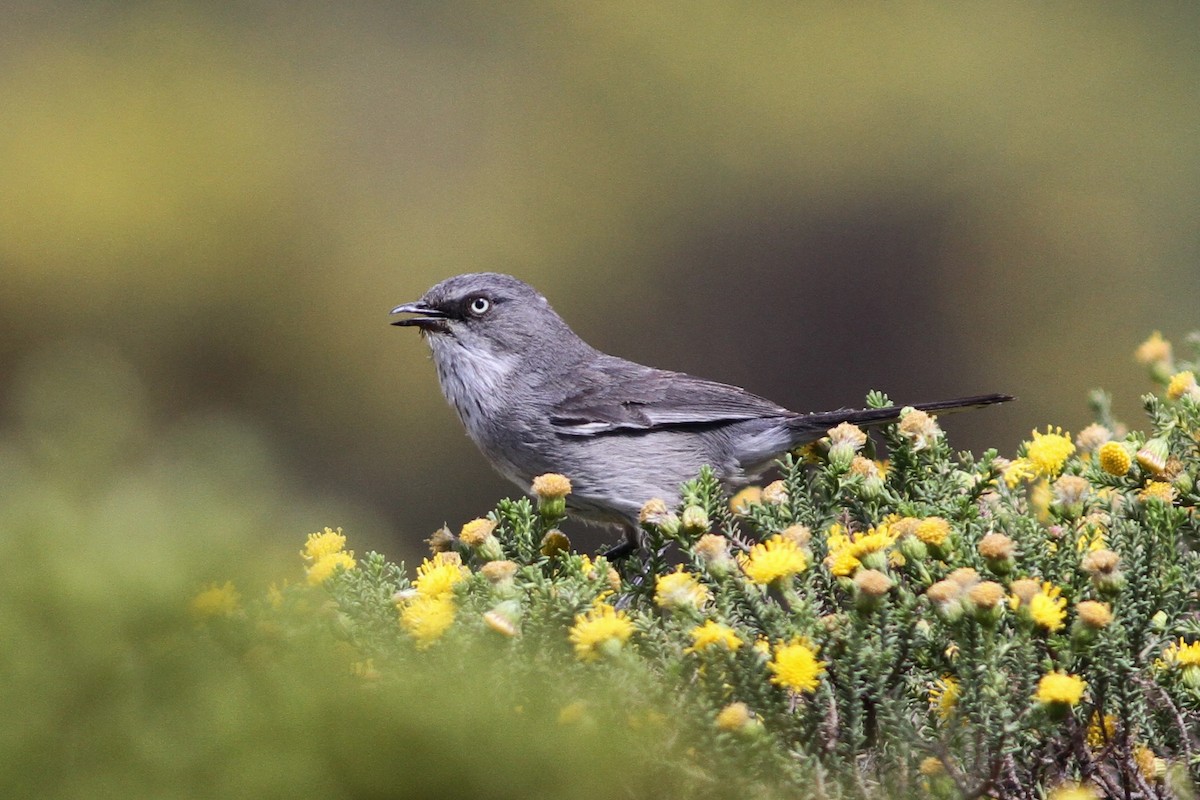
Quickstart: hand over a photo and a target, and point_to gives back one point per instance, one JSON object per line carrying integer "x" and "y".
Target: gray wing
{"x": 636, "y": 398}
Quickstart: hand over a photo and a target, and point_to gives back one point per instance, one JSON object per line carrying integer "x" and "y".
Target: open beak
{"x": 428, "y": 318}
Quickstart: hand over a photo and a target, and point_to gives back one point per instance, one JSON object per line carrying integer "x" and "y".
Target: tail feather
{"x": 810, "y": 427}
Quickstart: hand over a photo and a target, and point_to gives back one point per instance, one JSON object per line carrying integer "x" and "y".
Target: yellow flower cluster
{"x": 848, "y": 550}
{"x": 943, "y": 696}
{"x": 428, "y": 612}
{"x": 1061, "y": 688}
{"x": 216, "y": 601}
{"x": 796, "y": 667}
{"x": 1047, "y": 608}
{"x": 600, "y": 632}
{"x": 324, "y": 554}
{"x": 1183, "y": 655}
{"x": 774, "y": 560}
{"x": 681, "y": 590}
{"x": 713, "y": 634}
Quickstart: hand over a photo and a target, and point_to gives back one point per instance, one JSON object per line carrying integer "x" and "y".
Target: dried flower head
{"x": 996, "y": 547}
{"x": 987, "y": 595}
{"x": 800, "y": 535}
{"x": 1070, "y": 492}
{"x": 847, "y": 435}
{"x": 1091, "y": 438}
{"x": 1023, "y": 590}
{"x": 775, "y": 493}
{"x": 1093, "y": 614}
{"x": 476, "y": 532}
{"x": 1100, "y": 561}
{"x": 499, "y": 571}
{"x": 964, "y": 577}
{"x": 872, "y": 582}
{"x": 918, "y": 428}
{"x": 441, "y": 541}
{"x": 943, "y": 592}
{"x": 551, "y": 486}
{"x": 713, "y": 551}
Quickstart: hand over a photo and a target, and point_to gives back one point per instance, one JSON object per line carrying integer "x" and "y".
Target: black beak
{"x": 429, "y": 317}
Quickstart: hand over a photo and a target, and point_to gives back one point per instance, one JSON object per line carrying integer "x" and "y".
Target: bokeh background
{"x": 207, "y": 210}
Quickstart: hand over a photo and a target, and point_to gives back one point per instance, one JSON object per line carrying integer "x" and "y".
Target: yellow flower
{"x": 551, "y": 486}
{"x": 931, "y": 767}
{"x": 713, "y": 634}
{"x": 1047, "y": 608}
{"x": 1183, "y": 655}
{"x": 734, "y": 717}
{"x": 427, "y": 617}
{"x": 572, "y": 713}
{"x": 601, "y": 631}
{"x": 1101, "y": 730}
{"x": 796, "y": 667}
{"x": 1153, "y": 350}
{"x": 1114, "y": 458}
{"x": 1018, "y": 470}
{"x": 322, "y": 544}
{"x": 680, "y": 589}
{"x": 773, "y": 560}
{"x": 1074, "y": 791}
{"x": 943, "y": 696}
{"x": 1060, "y": 687}
{"x": 842, "y": 564}
{"x": 933, "y": 530}
{"x": 325, "y": 566}
{"x": 741, "y": 502}
{"x": 1049, "y": 451}
{"x": 439, "y": 576}
{"x": 1161, "y": 491}
{"x": 216, "y": 601}
{"x": 1182, "y": 383}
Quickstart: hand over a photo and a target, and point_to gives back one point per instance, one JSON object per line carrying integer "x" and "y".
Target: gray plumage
{"x": 535, "y": 398}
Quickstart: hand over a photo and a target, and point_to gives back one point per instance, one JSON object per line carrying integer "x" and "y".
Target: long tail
{"x": 810, "y": 427}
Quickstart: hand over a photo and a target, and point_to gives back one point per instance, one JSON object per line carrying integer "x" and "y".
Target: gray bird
{"x": 535, "y": 398}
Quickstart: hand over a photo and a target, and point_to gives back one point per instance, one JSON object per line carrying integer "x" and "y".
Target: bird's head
{"x": 486, "y": 314}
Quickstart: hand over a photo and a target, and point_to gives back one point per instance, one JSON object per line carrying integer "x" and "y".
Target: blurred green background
{"x": 207, "y": 210}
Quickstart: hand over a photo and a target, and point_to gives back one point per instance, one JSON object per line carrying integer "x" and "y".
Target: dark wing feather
{"x": 647, "y": 399}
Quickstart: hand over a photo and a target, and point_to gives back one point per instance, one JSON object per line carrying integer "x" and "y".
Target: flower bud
{"x": 551, "y": 490}
{"x": 1070, "y": 492}
{"x": 1153, "y": 455}
{"x": 870, "y": 588}
{"x": 987, "y": 598}
{"x": 500, "y": 573}
{"x": 945, "y": 596}
{"x": 997, "y": 551}
{"x": 477, "y": 535}
{"x": 775, "y": 494}
{"x": 844, "y": 441}
{"x": 655, "y": 514}
{"x": 1101, "y": 566}
{"x": 713, "y": 552}
{"x": 554, "y": 543}
{"x": 694, "y": 521}
{"x": 504, "y": 618}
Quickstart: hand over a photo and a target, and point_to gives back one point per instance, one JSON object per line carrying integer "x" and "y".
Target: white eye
{"x": 480, "y": 306}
